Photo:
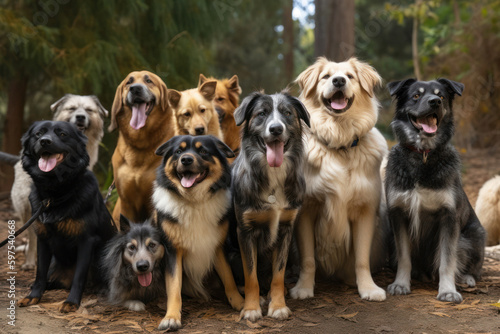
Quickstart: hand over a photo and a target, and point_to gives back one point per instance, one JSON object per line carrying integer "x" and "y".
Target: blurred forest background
{"x": 52, "y": 47}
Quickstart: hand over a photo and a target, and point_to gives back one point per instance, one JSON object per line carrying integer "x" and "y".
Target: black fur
{"x": 425, "y": 163}
{"x": 74, "y": 196}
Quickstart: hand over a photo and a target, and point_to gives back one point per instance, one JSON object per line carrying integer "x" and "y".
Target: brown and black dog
{"x": 143, "y": 117}
{"x": 227, "y": 97}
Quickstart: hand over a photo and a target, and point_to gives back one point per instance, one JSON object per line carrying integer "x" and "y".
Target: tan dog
{"x": 488, "y": 210}
{"x": 343, "y": 185}
{"x": 143, "y": 117}
{"x": 194, "y": 112}
{"x": 227, "y": 97}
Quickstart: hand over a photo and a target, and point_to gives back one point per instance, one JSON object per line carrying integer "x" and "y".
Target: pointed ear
{"x": 202, "y": 80}
{"x": 300, "y": 108}
{"x": 163, "y": 95}
{"x": 117, "y": 105}
{"x": 174, "y": 97}
{"x": 396, "y": 87}
{"x": 59, "y": 103}
{"x": 102, "y": 111}
{"x": 452, "y": 86}
{"x": 224, "y": 149}
{"x": 233, "y": 85}
{"x": 163, "y": 149}
{"x": 308, "y": 79}
{"x": 124, "y": 223}
{"x": 207, "y": 89}
{"x": 245, "y": 108}
{"x": 368, "y": 76}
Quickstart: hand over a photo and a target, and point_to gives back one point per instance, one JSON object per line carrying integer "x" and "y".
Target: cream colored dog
{"x": 343, "y": 186}
{"x": 488, "y": 210}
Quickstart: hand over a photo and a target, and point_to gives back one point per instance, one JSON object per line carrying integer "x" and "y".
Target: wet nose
{"x": 45, "y": 141}
{"x": 276, "y": 129}
{"x": 199, "y": 130}
{"x": 338, "y": 82}
{"x": 187, "y": 160}
{"x": 435, "y": 102}
{"x": 80, "y": 118}
{"x": 136, "y": 88}
{"x": 142, "y": 265}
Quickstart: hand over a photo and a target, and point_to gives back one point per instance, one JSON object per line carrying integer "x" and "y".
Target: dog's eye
{"x": 350, "y": 76}
{"x": 131, "y": 248}
{"x": 203, "y": 151}
{"x": 416, "y": 96}
{"x": 148, "y": 80}
{"x": 220, "y": 99}
{"x": 187, "y": 114}
{"x": 88, "y": 110}
{"x": 202, "y": 110}
{"x": 152, "y": 246}
{"x": 72, "y": 109}
{"x": 38, "y": 134}
{"x": 287, "y": 113}
{"x": 130, "y": 80}
{"x": 179, "y": 151}
{"x": 262, "y": 114}
{"x": 62, "y": 134}
{"x": 326, "y": 76}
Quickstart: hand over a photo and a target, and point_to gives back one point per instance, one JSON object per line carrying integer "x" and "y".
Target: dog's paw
{"x": 68, "y": 307}
{"x": 134, "y": 305}
{"x": 298, "y": 292}
{"x": 28, "y": 266}
{"x": 398, "y": 289}
{"x": 252, "y": 315}
{"x": 170, "y": 323}
{"x": 28, "y": 301}
{"x": 375, "y": 294}
{"x": 450, "y": 296}
{"x": 281, "y": 313}
{"x": 469, "y": 280}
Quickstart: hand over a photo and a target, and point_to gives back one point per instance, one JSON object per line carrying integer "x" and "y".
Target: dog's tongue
{"x": 429, "y": 123}
{"x": 138, "y": 119}
{"x": 189, "y": 180}
{"x": 46, "y": 163}
{"x": 338, "y": 103}
{"x": 274, "y": 152}
{"x": 145, "y": 279}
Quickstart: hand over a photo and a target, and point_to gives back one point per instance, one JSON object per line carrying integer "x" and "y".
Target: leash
{"x": 43, "y": 207}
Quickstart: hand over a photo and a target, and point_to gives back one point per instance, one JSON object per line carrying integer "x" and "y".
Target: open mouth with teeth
{"x": 428, "y": 124}
{"x": 338, "y": 103}
{"x": 189, "y": 179}
{"x": 48, "y": 161}
{"x": 140, "y": 112}
{"x": 81, "y": 126}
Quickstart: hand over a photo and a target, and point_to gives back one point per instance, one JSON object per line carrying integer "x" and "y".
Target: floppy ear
{"x": 224, "y": 149}
{"x": 308, "y": 79}
{"x": 207, "y": 89}
{"x": 241, "y": 113}
{"x": 396, "y": 87}
{"x": 453, "y": 86}
{"x": 164, "y": 148}
{"x": 163, "y": 95}
{"x": 26, "y": 138}
{"x": 202, "y": 80}
{"x": 117, "y": 105}
{"x": 368, "y": 76}
{"x": 300, "y": 108}
{"x": 102, "y": 110}
{"x": 55, "y": 106}
{"x": 124, "y": 223}
{"x": 173, "y": 97}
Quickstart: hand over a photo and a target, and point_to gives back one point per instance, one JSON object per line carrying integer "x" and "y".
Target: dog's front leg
{"x": 173, "y": 281}
{"x": 251, "y": 309}
{"x": 447, "y": 252}
{"x": 305, "y": 238}
{"x": 226, "y": 275}
{"x": 84, "y": 258}
{"x": 399, "y": 224}
{"x": 362, "y": 234}
{"x": 44, "y": 256}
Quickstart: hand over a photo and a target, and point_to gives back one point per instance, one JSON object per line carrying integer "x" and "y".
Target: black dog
{"x": 76, "y": 224}
{"x": 435, "y": 228}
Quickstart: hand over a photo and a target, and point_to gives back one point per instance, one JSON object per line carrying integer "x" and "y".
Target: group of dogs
{"x": 206, "y": 184}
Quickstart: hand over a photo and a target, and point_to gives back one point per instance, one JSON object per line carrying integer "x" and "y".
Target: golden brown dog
{"x": 194, "y": 112}
{"x": 143, "y": 117}
{"x": 227, "y": 97}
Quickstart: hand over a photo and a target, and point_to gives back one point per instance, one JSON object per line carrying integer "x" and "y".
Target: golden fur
{"x": 134, "y": 160}
{"x": 488, "y": 210}
{"x": 343, "y": 186}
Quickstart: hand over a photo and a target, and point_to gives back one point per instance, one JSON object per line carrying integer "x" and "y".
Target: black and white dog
{"x": 435, "y": 228}
{"x": 268, "y": 187}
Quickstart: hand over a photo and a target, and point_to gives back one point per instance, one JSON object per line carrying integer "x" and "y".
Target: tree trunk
{"x": 414, "y": 42}
{"x": 288, "y": 40}
{"x": 334, "y": 29}
{"x": 13, "y": 127}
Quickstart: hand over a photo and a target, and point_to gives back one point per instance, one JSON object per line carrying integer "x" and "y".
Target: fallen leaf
{"x": 253, "y": 325}
{"x": 309, "y": 324}
{"x": 475, "y": 302}
{"x": 440, "y": 314}
{"x": 348, "y": 317}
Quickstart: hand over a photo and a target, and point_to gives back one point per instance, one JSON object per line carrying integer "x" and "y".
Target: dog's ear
{"x": 173, "y": 97}
{"x": 223, "y": 148}
{"x": 234, "y": 89}
{"x": 163, "y": 149}
{"x": 202, "y": 80}
{"x": 368, "y": 76}
{"x": 124, "y": 223}
{"x": 299, "y": 107}
{"x": 25, "y": 140}
{"x": 243, "y": 111}
{"x": 117, "y": 105}
{"x": 207, "y": 89}
{"x": 452, "y": 86}
{"x": 308, "y": 79}
{"x": 102, "y": 110}
{"x": 56, "y": 105}
{"x": 163, "y": 95}
{"x": 396, "y": 87}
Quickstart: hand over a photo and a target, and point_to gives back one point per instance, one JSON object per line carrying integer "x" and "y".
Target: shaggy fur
{"x": 344, "y": 151}
{"x": 488, "y": 210}
{"x": 436, "y": 231}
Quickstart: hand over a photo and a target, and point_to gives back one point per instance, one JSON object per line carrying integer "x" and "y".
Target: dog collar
{"x": 424, "y": 153}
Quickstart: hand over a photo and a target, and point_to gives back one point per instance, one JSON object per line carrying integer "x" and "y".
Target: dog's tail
{"x": 9, "y": 159}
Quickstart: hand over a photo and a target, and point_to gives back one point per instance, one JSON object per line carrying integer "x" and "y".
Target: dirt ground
{"x": 336, "y": 308}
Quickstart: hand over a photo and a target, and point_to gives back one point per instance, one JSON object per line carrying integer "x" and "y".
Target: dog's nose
{"x": 199, "y": 130}
{"x": 187, "y": 160}
{"x": 137, "y": 88}
{"x": 435, "y": 102}
{"x": 276, "y": 129}
{"x": 142, "y": 265}
{"x": 80, "y": 118}
{"x": 45, "y": 141}
{"x": 338, "y": 81}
